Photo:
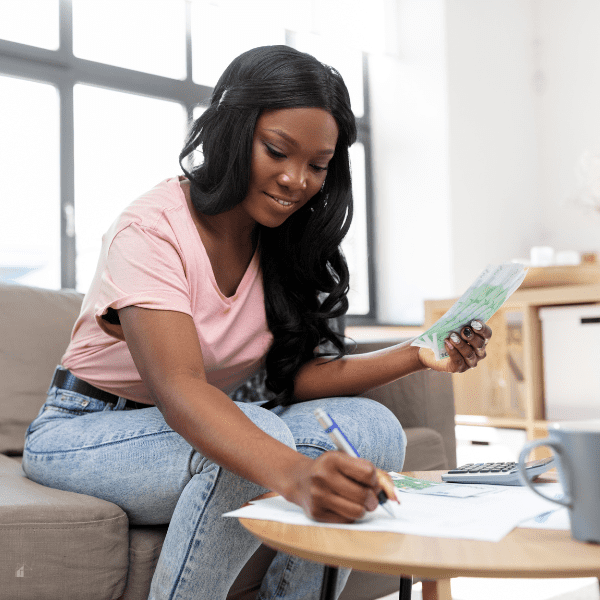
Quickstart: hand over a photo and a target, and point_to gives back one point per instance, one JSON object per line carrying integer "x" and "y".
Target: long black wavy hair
{"x": 304, "y": 271}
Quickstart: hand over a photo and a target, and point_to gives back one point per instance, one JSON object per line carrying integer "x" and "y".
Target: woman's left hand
{"x": 464, "y": 350}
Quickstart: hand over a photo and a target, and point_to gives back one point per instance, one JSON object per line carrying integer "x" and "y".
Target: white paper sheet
{"x": 488, "y": 518}
{"x": 555, "y": 517}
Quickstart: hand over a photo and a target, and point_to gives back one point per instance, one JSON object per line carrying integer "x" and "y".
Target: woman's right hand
{"x": 335, "y": 487}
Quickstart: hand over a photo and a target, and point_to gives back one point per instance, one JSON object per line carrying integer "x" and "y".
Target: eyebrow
{"x": 294, "y": 143}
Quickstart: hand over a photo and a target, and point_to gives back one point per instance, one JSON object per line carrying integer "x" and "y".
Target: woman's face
{"x": 291, "y": 150}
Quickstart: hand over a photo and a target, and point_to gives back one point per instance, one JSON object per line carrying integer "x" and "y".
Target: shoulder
{"x": 161, "y": 209}
{"x": 149, "y": 208}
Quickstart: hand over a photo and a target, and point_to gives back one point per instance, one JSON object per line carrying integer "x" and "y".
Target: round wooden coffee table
{"x": 523, "y": 553}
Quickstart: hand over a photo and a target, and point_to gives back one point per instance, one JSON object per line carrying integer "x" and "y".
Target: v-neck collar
{"x": 250, "y": 271}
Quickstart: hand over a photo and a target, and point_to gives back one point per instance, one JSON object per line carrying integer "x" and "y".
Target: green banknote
{"x": 483, "y": 298}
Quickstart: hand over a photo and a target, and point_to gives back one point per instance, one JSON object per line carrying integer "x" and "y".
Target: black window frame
{"x": 62, "y": 69}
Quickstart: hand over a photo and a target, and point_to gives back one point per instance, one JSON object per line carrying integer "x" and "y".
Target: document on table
{"x": 483, "y": 298}
{"x": 556, "y": 517}
{"x": 489, "y": 517}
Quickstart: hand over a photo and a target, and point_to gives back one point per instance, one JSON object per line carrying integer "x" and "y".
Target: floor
{"x": 485, "y": 444}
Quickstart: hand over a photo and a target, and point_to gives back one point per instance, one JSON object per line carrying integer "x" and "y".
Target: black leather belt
{"x": 65, "y": 380}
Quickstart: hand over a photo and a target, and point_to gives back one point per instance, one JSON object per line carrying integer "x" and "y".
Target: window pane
{"x": 124, "y": 145}
{"x": 346, "y": 60}
{"x": 32, "y": 22}
{"x": 143, "y": 35}
{"x": 29, "y": 183}
{"x": 222, "y": 30}
{"x": 355, "y": 243}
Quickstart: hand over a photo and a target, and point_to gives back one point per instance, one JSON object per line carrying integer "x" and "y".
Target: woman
{"x": 200, "y": 282}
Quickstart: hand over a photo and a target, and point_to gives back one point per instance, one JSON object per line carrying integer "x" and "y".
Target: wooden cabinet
{"x": 507, "y": 388}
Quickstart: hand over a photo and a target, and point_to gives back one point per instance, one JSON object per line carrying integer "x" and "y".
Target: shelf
{"x": 362, "y": 333}
{"x": 482, "y": 421}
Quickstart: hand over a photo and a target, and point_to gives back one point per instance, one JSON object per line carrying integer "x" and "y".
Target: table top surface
{"x": 522, "y": 553}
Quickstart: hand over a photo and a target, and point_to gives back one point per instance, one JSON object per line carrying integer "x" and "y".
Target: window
{"x": 113, "y": 163}
{"x": 80, "y": 116}
{"x": 29, "y": 185}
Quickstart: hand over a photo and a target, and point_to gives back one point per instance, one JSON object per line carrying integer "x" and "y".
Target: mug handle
{"x": 566, "y": 500}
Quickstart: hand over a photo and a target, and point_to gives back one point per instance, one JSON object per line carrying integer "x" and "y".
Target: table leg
{"x": 405, "y": 588}
{"x": 329, "y": 581}
{"x": 437, "y": 590}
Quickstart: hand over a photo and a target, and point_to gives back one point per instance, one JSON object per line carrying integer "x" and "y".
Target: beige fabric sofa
{"x": 61, "y": 545}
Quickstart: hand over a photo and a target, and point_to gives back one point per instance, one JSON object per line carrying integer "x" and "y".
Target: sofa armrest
{"x": 422, "y": 399}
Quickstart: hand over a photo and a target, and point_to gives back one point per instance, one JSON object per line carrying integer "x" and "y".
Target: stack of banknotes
{"x": 483, "y": 298}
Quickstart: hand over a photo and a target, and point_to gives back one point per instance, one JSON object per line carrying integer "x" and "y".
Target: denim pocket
{"x": 71, "y": 402}
{"x": 63, "y": 404}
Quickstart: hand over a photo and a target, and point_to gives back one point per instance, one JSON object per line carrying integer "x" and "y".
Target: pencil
{"x": 343, "y": 444}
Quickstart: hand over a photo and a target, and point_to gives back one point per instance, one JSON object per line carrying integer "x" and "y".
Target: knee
{"x": 379, "y": 434}
{"x": 269, "y": 423}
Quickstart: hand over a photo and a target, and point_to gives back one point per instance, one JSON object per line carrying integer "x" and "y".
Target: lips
{"x": 282, "y": 201}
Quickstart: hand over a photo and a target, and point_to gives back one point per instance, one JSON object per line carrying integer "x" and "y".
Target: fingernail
{"x": 468, "y": 332}
{"x": 476, "y": 325}
{"x": 455, "y": 338}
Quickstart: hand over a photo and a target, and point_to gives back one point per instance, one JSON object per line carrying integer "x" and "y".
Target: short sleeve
{"x": 143, "y": 267}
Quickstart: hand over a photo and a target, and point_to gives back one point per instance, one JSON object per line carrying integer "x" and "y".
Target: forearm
{"x": 354, "y": 374}
{"x": 210, "y": 422}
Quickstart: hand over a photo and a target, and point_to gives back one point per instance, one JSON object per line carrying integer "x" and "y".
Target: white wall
{"x": 478, "y": 124}
{"x": 492, "y": 137}
{"x": 569, "y": 114}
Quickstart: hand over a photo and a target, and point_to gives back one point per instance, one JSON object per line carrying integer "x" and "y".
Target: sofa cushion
{"x": 35, "y": 329}
{"x": 145, "y": 544}
{"x": 58, "y": 544}
{"x": 424, "y": 450}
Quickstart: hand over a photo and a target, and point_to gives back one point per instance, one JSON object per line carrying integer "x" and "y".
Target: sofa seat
{"x": 57, "y": 544}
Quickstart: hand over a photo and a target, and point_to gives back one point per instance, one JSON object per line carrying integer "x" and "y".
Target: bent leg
{"x": 134, "y": 459}
{"x": 376, "y": 434}
{"x": 204, "y": 552}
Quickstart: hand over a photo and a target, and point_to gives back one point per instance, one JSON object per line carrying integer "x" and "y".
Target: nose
{"x": 294, "y": 178}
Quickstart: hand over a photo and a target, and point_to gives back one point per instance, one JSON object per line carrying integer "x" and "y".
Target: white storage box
{"x": 571, "y": 346}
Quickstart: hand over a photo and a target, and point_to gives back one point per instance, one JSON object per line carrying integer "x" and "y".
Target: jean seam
{"x": 70, "y": 411}
{"x": 285, "y": 577}
{"x": 193, "y": 537}
{"x": 137, "y": 437}
{"x": 316, "y": 444}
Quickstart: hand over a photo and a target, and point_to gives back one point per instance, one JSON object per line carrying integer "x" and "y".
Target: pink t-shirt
{"x": 153, "y": 257}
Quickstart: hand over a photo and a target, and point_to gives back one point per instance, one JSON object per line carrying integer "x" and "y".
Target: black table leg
{"x": 329, "y": 581}
{"x": 405, "y": 588}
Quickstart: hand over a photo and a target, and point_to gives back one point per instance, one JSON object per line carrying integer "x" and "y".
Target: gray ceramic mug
{"x": 576, "y": 448}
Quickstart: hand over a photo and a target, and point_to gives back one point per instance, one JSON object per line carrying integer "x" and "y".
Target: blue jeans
{"x": 135, "y": 460}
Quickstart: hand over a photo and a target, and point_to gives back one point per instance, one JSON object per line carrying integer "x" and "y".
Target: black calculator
{"x": 500, "y": 473}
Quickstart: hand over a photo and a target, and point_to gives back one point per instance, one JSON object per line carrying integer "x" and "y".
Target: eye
{"x": 274, "y": 152}
{"x": 319, "y": 169}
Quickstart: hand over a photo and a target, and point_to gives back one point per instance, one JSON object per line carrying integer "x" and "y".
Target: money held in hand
{"x": 483, "y": 298}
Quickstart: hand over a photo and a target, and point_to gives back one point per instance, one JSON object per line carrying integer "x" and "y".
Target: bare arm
{"x": 354, "y": 374}
{"x": 166, "y": 351}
